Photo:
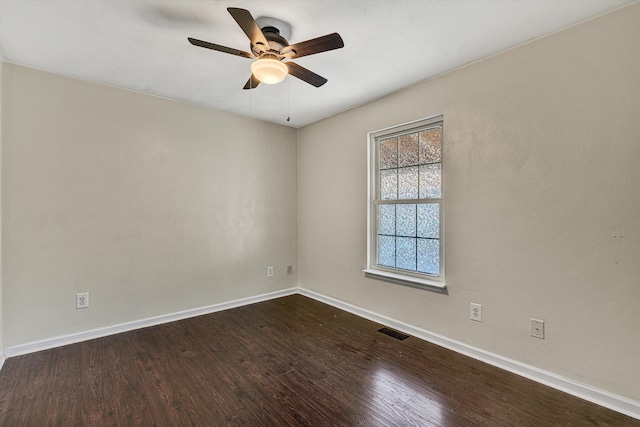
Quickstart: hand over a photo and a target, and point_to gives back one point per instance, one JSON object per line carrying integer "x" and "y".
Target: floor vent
{"x": 394, "y": 333}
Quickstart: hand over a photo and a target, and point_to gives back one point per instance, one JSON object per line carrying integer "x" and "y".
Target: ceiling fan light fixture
{"x": 270, "y": 46}
{"x": 269, "y": 71}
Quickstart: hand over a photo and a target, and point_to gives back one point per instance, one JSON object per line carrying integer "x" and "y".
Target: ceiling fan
{"x": 271, "y": 49}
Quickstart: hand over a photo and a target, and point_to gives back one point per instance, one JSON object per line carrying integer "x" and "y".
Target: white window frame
{"x": 389, "y": 274}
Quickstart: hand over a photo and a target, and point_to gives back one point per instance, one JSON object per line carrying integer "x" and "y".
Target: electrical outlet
{"x": 289, "y": 269}
{"x": 269, "y": 271}
{"x": 476, "y": 312}
{"x": 537, "y": 328}
{"x": 82, "y": 300}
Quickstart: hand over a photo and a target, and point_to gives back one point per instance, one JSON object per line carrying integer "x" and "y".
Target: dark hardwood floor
{"x": 286, "y": 362}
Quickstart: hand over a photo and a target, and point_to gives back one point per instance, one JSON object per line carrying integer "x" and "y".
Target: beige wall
{"x": 1, "y": 123}
{"x": 542, "y": 210}
{"x": 151, "y": 205}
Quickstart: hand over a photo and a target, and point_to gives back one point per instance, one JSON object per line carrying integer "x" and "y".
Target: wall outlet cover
{"x": 82, "y": 300}
{"x": 537, "y": 328}
{"x": 476, "y": 312}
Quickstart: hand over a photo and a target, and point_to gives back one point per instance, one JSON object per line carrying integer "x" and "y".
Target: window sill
{"x": 400, "y": 279}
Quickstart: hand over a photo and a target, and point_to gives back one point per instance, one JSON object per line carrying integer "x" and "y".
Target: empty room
{"x": 320, "y": 213}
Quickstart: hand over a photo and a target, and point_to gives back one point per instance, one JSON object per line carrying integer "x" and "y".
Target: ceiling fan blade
{"x": 219, "y": 48}
{"x": 249, "y": 26}
{"x": 252, "y": 83}
{"x": 317, "y": 45}
{"x": 305, "y": 75}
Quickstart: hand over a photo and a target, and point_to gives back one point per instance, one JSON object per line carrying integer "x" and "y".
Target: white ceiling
{"x": 389, "y": 44}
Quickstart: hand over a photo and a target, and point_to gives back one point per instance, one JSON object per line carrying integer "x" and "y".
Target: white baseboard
{"x": 608, "y": 400}
{"x": 601, "y": 397}
{"x": 138, "y": 324}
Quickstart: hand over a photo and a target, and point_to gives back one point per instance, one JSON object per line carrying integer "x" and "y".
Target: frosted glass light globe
{"x": 269, "y": 71}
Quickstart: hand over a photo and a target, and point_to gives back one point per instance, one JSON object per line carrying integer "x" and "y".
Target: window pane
{"x": 389, "y": 184}
{"x": 406, "y": 220}
{"x": 389, "y": 153}
{"x": 406, "y": 253}
{"x": 430, "y": 181}
{"x": 429, "y": 256}
{"x": 431, "y": 146}
{"x": 387, "y": 251}
{"x": 408, "y": 148}
{"x": 405, "y": 225}
{"x": 387, "y": 219}
{"x": 429, "y": 220}
{"x": 408, "y": 183}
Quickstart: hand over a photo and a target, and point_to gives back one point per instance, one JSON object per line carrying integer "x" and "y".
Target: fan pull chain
{"x": 288, "y": 100}
{"x": 250, "y": 99}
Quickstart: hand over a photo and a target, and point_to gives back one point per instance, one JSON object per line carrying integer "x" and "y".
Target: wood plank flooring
{"x": 291, "y": 361}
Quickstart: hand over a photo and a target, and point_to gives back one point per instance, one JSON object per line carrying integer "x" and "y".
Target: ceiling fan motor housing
{"x": 276, "y": 43}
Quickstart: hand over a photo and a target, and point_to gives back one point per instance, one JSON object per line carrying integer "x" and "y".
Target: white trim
{"x": 48, "y": 343}
{"x": 403, "y": 279}
{"x": 600, "y": 397}
{"x": 405, "y": 126}
{"x": 373, "y": 270}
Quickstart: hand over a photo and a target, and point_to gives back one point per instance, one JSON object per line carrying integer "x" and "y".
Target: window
{"x": 405, "y": 242}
